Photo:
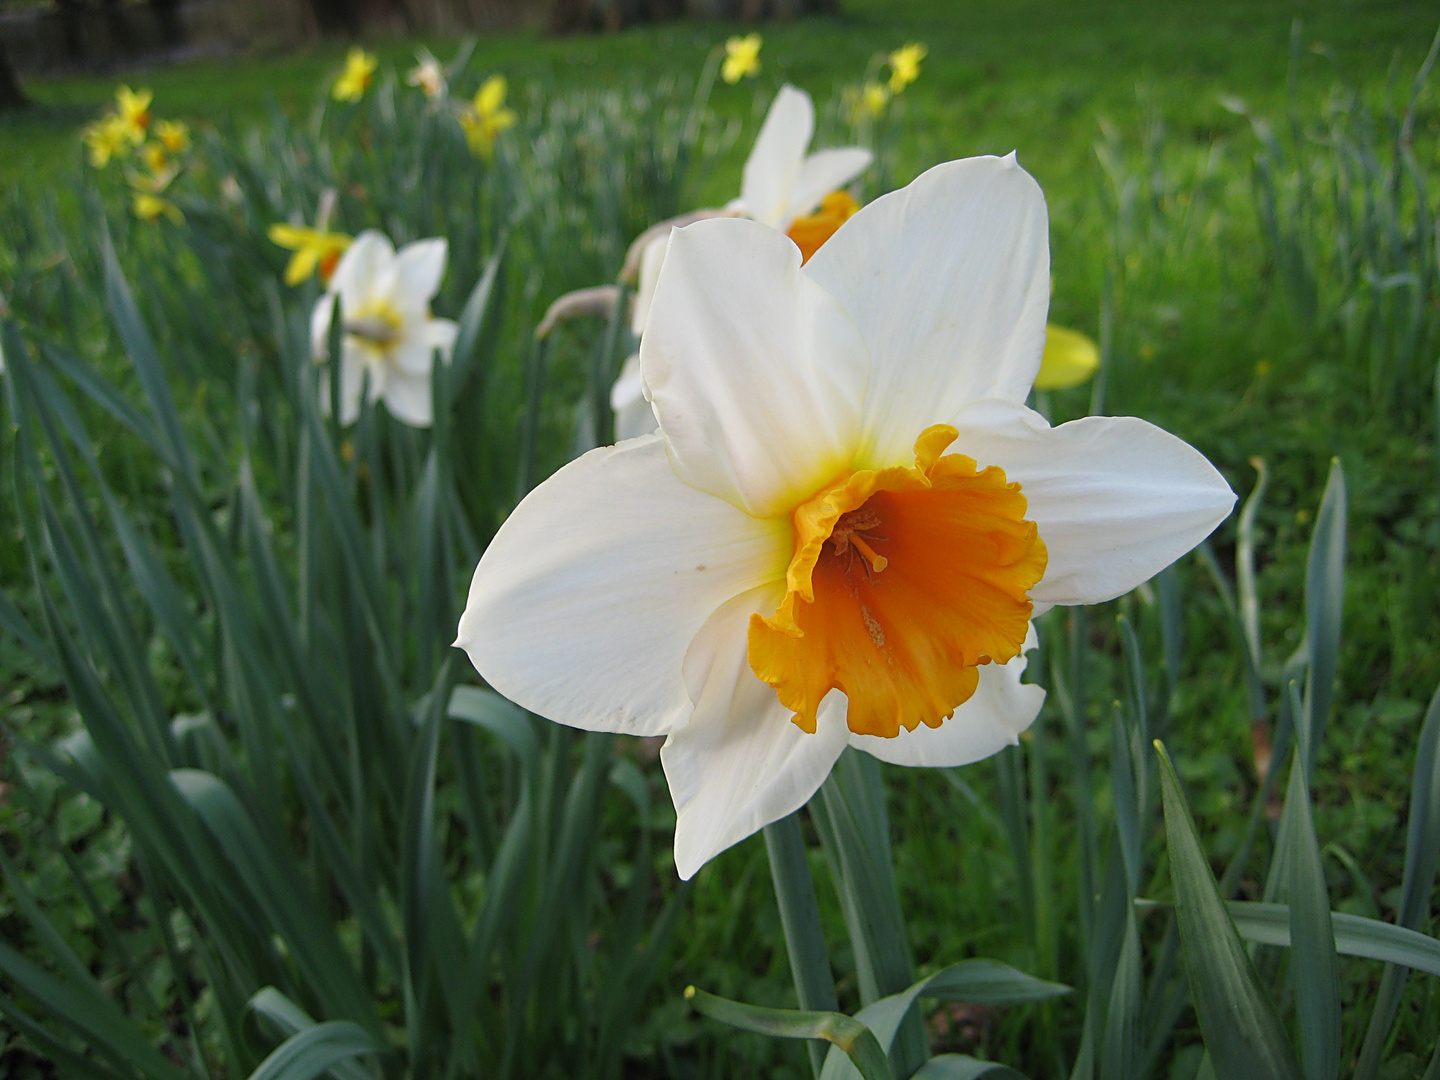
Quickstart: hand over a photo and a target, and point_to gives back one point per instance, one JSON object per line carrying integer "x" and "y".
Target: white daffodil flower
{"x": 848, "y": 518}
{"x": 390, "y": 339}
{"x": 780, "y": 186}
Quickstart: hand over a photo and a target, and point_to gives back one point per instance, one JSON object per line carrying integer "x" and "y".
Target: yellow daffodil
{"x": 905, "y": 66}
{"x": 868, "y": 102}
{"x": 150, "y": 207}
{"x": 781, "y": 186}
{"x": 155, "y": 157}
{"x": 847, "y": 519}
{"x": 133, "y": 109}
{"x": 315, "y": 250}
{"x": 742, "y": 58}
{"x": 148, "y": 195}
{"x": 106, "y": 139}
{"x": 389, "y": 338}
{"x": 428, "y": 75}
{"x": 174, "y": 136}
{"x": 355, "y": 79}
{"x": 1069, "y": 359}
{"x": 486, "y": 116}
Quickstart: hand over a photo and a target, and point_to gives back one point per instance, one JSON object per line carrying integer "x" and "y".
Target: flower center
{"x": 376, "y": 324}
{"x": 903, "y": 582}
{"x": 812, "y": 230}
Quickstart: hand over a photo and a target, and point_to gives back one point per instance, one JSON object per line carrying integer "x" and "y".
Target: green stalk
{"x": 800, "y": 920}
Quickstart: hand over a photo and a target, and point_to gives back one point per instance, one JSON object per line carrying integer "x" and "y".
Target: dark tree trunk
{"x": 335, "y": 16}
{"x": 167, "y": 17}
{"x": 70, "y": 16}
{"x": 121, "y": 40}
{"x": 11, "y": 96}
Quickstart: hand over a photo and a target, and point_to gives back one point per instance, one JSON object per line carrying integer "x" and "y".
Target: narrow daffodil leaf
{"x": 1313, "y": 965}
{"x": 1422, "y": 850}
{"x": 1242, "y": 1033}
{"x": 964, "y": 1067}
{"x": 315, "y": 1050}
{"x": 1355, "y": 935}
{"x": 980, "y": 982}
{"x": 1324, "y": 604}
{"x": 849, "y": 1034}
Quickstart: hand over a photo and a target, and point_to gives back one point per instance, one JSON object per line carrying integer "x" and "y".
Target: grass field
{"x": 1127, "y": 114}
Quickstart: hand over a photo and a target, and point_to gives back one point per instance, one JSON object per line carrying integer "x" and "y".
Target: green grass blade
{"x": 1242, "y": 1033}
{"x": 1355, "y": 935}
{"x": 1422, "y": 850}
{"x": 1313, "y": 965}
{"x": 964, "y": 1067}
{"x": 315, "y": 1050}
{"x": 87, "y": 1009}
{"x": 849, "y": 1035}
{"x": 1324, "y": 605}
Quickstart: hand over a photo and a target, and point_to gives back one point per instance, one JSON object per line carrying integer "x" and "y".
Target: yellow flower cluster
{"x": 130, "y": 128}
{"x": 742, "y": 58}
{"x": 870, "y": 100}
{"x": 486, "y": 116}
{"x": 356, "y": 77}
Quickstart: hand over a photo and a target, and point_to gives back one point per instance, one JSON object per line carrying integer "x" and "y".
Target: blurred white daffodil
{"x": 428, "y": 75}
{"x": 782, "y": 186}
{"x": 389, "y": 338}
{"x": 848, "y": 518}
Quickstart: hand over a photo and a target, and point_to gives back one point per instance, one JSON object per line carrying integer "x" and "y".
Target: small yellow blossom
{"x": 868, "y": 102}
{"x": 150, "y": 207}
{"x": 905, "y": 65}
{"x": 353, "y": 81}
{"x": 1069, "y": 359}
{"x": 428, "y": 75}
{"x": 174, "y": 136}
{"x": 105, "y": 139}
{"x": 148, "y": 194}
{"x": 155, "y": 157}
{"x": 742, "y": 58}
{"x": 314, "y": 250}
{"x": 134, "y": 112}
{"x": 486, "y": 117}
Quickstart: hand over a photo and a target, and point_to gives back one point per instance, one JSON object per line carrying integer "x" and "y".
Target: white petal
{"x": 410, "y": 398}
{"x": 778, "y": 156}
{"x": 823, "y": 172}
{"x": 365, "y": 262}
{"x": 440, "y": 334}
{"x": 999, "y": 710}
{"x": 633, "y": 415}
{"x": 948, "y": 280}
{"x": 419, "y": 269}
{"x": 756, "y": 373}
{"x": 650, "y": 262}
{"x": 738, "y": 763}
{"x": 320, "y": 325}
{"x": 1116, "y": 499}
{"x": 583, "y": 606}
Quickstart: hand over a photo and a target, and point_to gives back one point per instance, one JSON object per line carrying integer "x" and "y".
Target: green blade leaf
{"x": 315, "y": 1050}
{"x": 1355, "y": 935}
{"x": 981, "y": 982}
{"x": 964, "y": 1067}
{"x": 1324, "y": 605}
{"x": 850, "y": 1035}
{"x": 1242, "y": 1033}
{"x": 1315, "y": 970}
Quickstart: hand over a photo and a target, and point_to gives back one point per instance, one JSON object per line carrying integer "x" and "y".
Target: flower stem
{"x": 800, "y": 920}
